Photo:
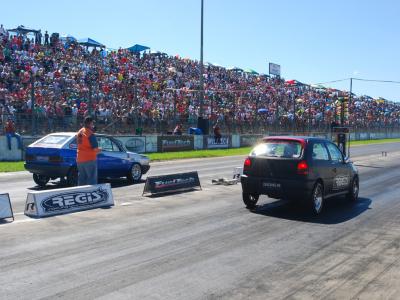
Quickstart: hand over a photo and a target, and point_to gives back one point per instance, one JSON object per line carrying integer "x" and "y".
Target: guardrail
{"x": 167, "y": 143}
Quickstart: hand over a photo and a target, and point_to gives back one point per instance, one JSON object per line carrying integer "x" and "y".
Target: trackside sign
{"x": 67, "y": 200}
{"x": 5, "y": 207}
{"x": 171, "y": 183}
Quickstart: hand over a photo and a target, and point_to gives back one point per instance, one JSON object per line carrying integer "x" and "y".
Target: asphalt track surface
{"x": 206, "y": 245}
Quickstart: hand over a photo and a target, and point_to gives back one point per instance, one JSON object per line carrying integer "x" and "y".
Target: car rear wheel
{"x": 40, "y": 180}
{"x": 317, "y": 198}
{"x": 250, "y": 200}
{"x": 135, "y": 173}
{"x": 72, "y": 177}
{"x": 354, "y": 189}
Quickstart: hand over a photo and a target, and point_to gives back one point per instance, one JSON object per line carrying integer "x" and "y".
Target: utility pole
{"x": 33, "y": 104}
{"x": 201, "y": 98}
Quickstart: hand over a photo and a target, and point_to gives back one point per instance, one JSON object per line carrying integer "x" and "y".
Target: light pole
{"x": 201, "y": 98}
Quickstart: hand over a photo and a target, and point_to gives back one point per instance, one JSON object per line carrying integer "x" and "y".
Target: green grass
{"x": 12, "y": 166}
{"x": 19, "y": 165}
{"x": 370, "y": 142}
{"x": 198, "y": 154}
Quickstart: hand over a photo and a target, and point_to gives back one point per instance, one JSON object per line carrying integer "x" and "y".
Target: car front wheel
{"x": 41, "y": 180}
{"x": 250, "y": 200}
{"x": 354, "y": 189}
{"x": 135, "y": 173}
{"x": 317, "y": 198}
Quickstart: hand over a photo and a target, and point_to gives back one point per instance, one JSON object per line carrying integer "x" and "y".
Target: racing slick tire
{"x": 316, "y": 201}
{"x": 72, "y": 177}
{"x": 352, "y": 196}
{"x": 135, "y": 173}
{"x": 250, "y": 200}
{"x": 41, "y": 180}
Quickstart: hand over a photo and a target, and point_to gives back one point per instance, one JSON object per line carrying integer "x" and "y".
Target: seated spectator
{"x": 10, "y": 133}
{"x": 217, "y": 133}
{"x": 178, "y": 129}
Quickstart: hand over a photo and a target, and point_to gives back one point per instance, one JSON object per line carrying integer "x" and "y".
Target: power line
{"x": 333, "y": 81}
{"x": 376, "y": 80}
{"x": 360, "y": 79}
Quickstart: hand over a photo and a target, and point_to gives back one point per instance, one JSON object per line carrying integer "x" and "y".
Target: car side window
{"x": 105, "y": 144}
{"x": 319, "y": 152}
{"x": 116, "y": 148}
{"x": 73, "y": 144}
{"x": 335, "y": 153}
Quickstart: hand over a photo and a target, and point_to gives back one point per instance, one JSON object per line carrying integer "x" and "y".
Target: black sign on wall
{"x": 175, "y": 143}
{"x": 171, "y": 183}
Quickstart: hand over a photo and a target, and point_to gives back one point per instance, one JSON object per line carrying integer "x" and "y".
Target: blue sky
{"x": 313, "y": 41}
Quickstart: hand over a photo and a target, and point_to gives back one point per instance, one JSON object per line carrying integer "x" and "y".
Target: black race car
{"x": 298, "y": 168}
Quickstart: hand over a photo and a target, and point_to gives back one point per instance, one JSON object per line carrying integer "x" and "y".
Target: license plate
{"x": 271, "y": 185}
{"x": 42, "y": 158}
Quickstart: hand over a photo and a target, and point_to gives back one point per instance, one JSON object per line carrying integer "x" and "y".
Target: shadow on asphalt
{"x": 366, "y": 166}
{"x": 115, "y": 183}
{"x": 335, "y": 211}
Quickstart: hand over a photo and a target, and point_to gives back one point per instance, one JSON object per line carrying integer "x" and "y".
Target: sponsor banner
{"x": 171, "y": 183}
{"x": 5, "y": 207}
{"x": 133, "y": 143}
{"x": 67, "y": 200}
{"x": 250, "y": 139}
{"x": 210, "y": 142}
{"x": 168, "y": 143}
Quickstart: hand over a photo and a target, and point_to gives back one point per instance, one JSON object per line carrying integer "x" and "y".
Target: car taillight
{"x": 302, "y": 168}
{"x": 247, "y": 163}
{"x": 55, "y": 159}
{"x": 30, "y": 157}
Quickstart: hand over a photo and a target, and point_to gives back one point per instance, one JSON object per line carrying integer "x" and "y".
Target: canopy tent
{"x": 88, "y": 42}
{"x": 318, "y": 86}
{"x": 251, "y": 71}
{"x": 67, "y": 37}
{"x": 235, "y": 69}
{"x": 293, "y": 82}
{"x": 137, "y": 48}
{"x": 21, "y": 29}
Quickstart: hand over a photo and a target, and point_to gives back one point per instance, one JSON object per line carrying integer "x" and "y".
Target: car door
{"x": 122, "y": 163}
{"x": 340, "y": 170}
{"x": 105, "y": 161}
{"x": 321, "y": 165}
{"x": 112, "y": 160}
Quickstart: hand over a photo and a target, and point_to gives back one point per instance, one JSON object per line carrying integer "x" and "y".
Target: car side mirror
{"x": 347, "y": 160}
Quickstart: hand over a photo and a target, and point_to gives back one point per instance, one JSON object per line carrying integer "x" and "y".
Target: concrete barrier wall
{"x": 149, "y": 143}
{"x": 11, "y": 155}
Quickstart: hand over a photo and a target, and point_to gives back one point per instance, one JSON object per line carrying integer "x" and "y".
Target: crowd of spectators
{"x": 127, "y": 91}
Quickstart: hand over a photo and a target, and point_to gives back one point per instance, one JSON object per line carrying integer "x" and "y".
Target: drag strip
{"x": 206, "y": 245}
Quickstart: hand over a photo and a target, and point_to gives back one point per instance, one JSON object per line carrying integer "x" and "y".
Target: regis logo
{"x": 72, "y": 200}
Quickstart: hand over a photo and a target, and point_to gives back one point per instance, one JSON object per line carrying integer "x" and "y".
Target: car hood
{"x": 142, "y": 159}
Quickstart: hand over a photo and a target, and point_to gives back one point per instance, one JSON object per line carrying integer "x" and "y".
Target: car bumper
{"x": 145, "y": 169}
{"x": 288, "y": 188}
{"x": 52, "y": 171}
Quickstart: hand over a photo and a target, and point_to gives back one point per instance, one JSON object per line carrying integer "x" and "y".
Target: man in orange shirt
{"x": 86, "y": 158}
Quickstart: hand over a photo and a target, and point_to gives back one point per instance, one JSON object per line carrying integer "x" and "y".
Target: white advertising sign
{"x": 67, "y": 200}
{"x": 5, "y": 207}
{"x": 213, "y": 143}
{"x": 274, "y": 69}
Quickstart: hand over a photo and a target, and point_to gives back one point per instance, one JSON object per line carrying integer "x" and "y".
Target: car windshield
{"x": 54, "y": 140}
{"x": 281, "y": 148}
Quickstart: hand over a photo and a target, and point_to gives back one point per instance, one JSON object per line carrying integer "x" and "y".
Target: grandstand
{"x": 51, "y": 84}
